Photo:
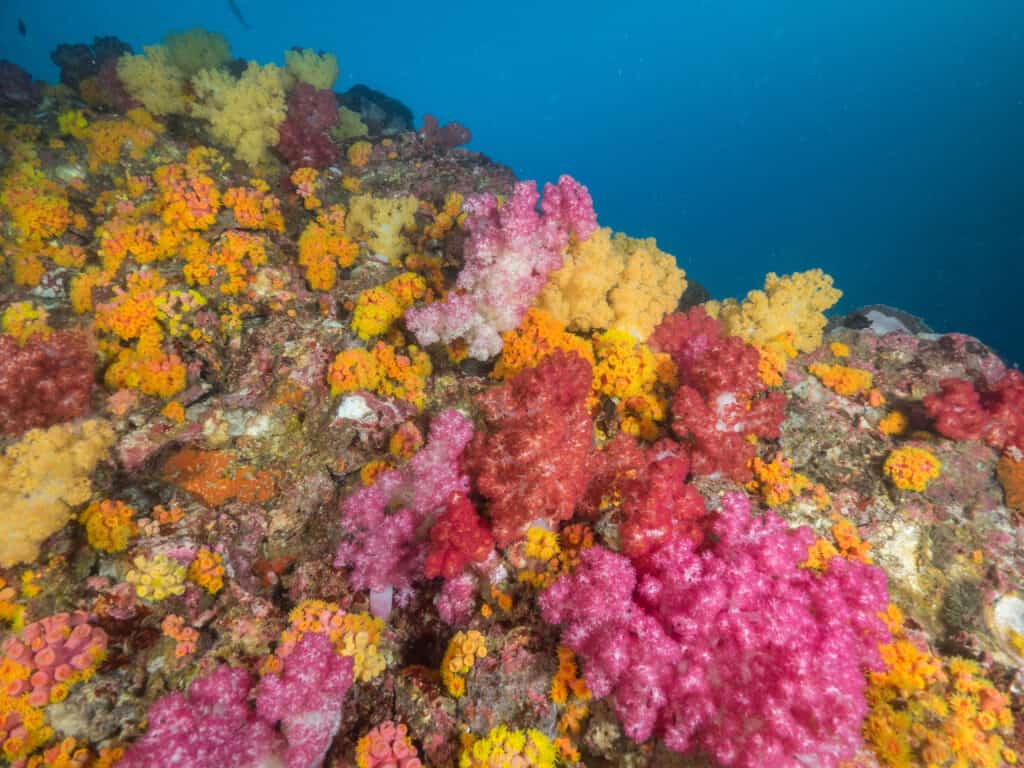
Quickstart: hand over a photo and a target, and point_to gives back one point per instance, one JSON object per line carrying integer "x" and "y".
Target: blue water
{"x": 881, "y": 141}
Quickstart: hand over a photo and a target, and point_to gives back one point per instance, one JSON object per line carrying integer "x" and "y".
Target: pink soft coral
{"x": 733, "y": 650}
{"x": 722, "y": 401}
{"x": 385, "y": 524}
{"x": 533, "y": 462}
{"x": 994, "y": 414}
{"x": 305, "y": 139}
{"x": 510, "y": 251}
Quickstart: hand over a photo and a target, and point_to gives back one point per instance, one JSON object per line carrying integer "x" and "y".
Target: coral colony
{"x": 327, "y": 442}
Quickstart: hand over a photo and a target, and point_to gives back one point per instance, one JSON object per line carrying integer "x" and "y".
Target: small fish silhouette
{"x": 22, "y": 30}
{"x": 238, "y": 14}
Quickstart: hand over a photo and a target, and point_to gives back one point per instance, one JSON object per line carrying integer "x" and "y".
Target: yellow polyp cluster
{"x": 174, "y": 411}
{"x": 324, "y": 246}
{"x": 893, "y": 423}
{"x": 848, "y": 545}
{"x": 31, "y": 719}
{"x": 305, "y": 181}
{"x": 371, "y": 470}
{"x": 567, "y": 681}
{"x": 108, "y": 140}
{"x": 67, "y": 753}
{"x": 254, "y": 207}
{"x": 841, "y": 379}
{"x": 925, "y": 710}
{"x": 775, "y": 356}
{"x": 911, "y": 469}
{"x": 109, "y": 525}
{"x": 207, "y": 570}
{"x": 152, "y": 373}
{"x": 156, "y": 578}
{"x": 188, "y": 198}
{"x": 503, "y": 747}
{"x": 839, "y": 349}
{"x": 379, "y": 307}
{"x": 778, "y": 484}
{"x": 10, "y": 611}
{"x": 145, "y": 240}
{"x": 185, "y": 637}
{"x": 72, "y": 123}
{"x": 37, "y": 206}
{"x": 446, "y": 218}
{"x": 385, "y": 370}
{"x": 637, "y": 379}
{"x": 23, "y": 320}
{"x": 355, "y": 635}
{"x": 230, "y": 264}
{"x": 537, "y": 336}
{"x": 462, "y": 652}
{"x": 359, "y": 153}
{"x": 543, "y": 550}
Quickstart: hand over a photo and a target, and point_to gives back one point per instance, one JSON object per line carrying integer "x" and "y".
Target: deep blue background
{"x": 881, "y": 141}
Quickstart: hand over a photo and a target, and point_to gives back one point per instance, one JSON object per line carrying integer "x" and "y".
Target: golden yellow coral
{"x": 152, "y": 79}
{"x": 108, "y": 139}
{"x": 848, "y": 545}
{"x": 911, "y": 469}
{"x": 356, "y": 635}
{"x": 243, "y": 114}
{"x": 842, "y": 379}
{"x": 42, "y": 477}
{"x": 189, "y": 198}
{"x": 384, "y": 223}
{"x": 305, "y": 181}
{"x": 230, "y": 264}
{"x": 353, "y": 369}
{"x": 377, "y": 308}
{"x": 893, "y": 423}
{"x": 505, "y": 748}
{"x": 567, "y": 680}
{"x": 207, "y": 570}
{"x": 307, "y": 66}
{"x": 152, "y": 372}
{"x": 403, "y": 374}
{"x": 462, "y": 652}
{"x": 538, "y": 335}
{"x": 23, "y": 320}
{"x": 156, "y": 578}
{"x": 72, "y": 123}
{"x": 543, "y": 549}
{"x": 324, "y": 245}
{"x": 776, "y": 481}
{"x": 359, "y": 153}
{"x": 613, "y": 282}
{"x": 108, "y": 525}
{"x": 38, "y": 207}
{"x": 196, "y": 49}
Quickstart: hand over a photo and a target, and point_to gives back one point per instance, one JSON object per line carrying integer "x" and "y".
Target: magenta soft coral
{"x": 533, "y": 462}
{"x": 510, "y": 251}
{"x": 384, "y": 525}
{"x": 305, "y": 139}
{"x": 994, "y": 414}
{"x": 732, "y": 650}
{"x": 722, "y": 401}
{"x": 48, "y": 380}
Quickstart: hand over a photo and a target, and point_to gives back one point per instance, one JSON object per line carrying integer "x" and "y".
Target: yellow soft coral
{"x": 462, "y": 652}
{"x": 307, "y": 66}
{"x": 384, "y": 223}
{"x": 152, "y": 79}
{"x": 505, "y": 748}
{"x": 911, "y": 469}
{"x": 108, "y": 525}
{"x": 243, "y": 114}
{"x": 613, "y": 282}
{"x": 196, "y": 49}
{"x": 42, "y": 477}
{"x": 377, "y": 308}
{"x": 156, "y": 578}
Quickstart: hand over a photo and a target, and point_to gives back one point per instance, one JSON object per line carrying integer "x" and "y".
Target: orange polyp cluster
{"x": 254, "y": 207}
{"x": 324, "y": 246}
{"x": 188, "y": 198}
{"x": 108, "y": 140}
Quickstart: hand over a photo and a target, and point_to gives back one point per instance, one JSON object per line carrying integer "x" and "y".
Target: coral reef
{"x": 335, "y": 444}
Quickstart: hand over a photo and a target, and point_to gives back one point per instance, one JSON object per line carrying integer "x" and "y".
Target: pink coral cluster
{"x": 305, "y": 139}
{"x": 56, "y": 650}
{"x": 387, "y": 746}
{"x": 45, "y": 382}
{"x": 994, "y": 414}
{"x": 732, "y": 650}
{"x": 458, "y": 537}
{"x": 533, "y": 463}
{"x": 385, "y": 524}
{"x": 510, "y": 251}
{"x": 447, "y": 136}
{"x": 214, "y": 726}
{"x": 722, "y": 400}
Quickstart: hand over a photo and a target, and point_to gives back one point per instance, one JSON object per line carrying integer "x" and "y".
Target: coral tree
{"x": 733, "y": 650}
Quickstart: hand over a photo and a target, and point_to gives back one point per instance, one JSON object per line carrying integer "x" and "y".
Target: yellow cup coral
{"x": 505, "y": 748}
{"x": 911, "y": 469}
{"x": 156, "y": 578}
{"x": 463, "y": 651}
{"x": 108, "y": 525}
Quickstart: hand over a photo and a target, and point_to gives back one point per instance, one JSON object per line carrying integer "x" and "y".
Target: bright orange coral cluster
{"x": 378, "y": 307}
{"x": 109, "y": 525}
{"x": 385, "y": 369}
{"x": 324, "y": 246}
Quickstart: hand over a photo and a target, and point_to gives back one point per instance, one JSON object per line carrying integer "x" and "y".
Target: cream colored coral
{"x": 614, "y": 282}
{"x": 42, "y": 477}
{"x": 382, "y": 223}
{"x": 152, "y": 79}
{"x": 790, "y": 306}
{"x": 245, "y": 113}
{"x": 307, "y": 66}
{"x": 197, "y": 49}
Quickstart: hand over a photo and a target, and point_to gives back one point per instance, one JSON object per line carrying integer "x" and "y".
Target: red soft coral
{"x": 46, "y": 381}
{"x": 305, "y": 141}
{"x": 459, "y": 537}
{"x": 994, "y": 414}
{"x": 722, "y": 402}
{"x": 534, "y": 460}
